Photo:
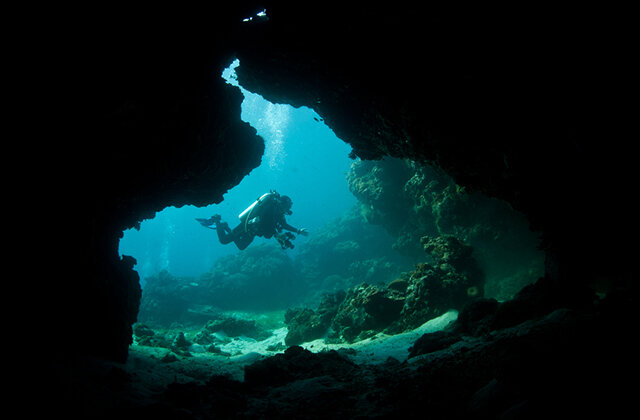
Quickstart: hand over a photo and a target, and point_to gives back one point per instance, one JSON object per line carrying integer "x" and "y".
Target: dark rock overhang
{"x": 518, "y": 104}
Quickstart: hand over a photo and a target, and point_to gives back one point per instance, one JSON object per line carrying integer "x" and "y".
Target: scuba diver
{"x": 265, "y": 217}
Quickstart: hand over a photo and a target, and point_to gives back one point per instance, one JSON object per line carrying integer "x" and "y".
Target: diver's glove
{"x": 303, "y": 232}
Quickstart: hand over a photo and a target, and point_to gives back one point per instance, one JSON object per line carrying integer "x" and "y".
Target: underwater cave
{"x": 466, "y": 252}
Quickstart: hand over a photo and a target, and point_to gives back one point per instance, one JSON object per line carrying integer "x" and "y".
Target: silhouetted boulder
{"x": 295, "y": 364}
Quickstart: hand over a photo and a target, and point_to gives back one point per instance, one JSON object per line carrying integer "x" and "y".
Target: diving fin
{"x": 208, "y": 222}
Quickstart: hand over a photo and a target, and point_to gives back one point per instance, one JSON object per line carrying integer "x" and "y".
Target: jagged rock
{"x": 235, "y": 327}
{"x": 169, "y": 358}
{"x": 141, "y": 330}
{"x": 212, "y": 348}
{"x": 374, "y": 183}
{"x": 453, "y": 279}
{"x": 540, "y": 298}
{"x": 400, "y": 284}
{"x": 384, "y": 306}
{"x": 305, "y": 324}
{"x": 203, "y": 337}
{"x": 431, "y": 342}
{"x": 477, "y": 317}
{"x": 411, "y": 201}
{"x": 366, "y": 310}
{"x": 482, "y": 316}
{"x": 297, "y": 363}
{"x": 451, "y": 252}
{"x": 181, "y": 345}
{"x": 430, "y": 290}
{"x": 145, "y": 336}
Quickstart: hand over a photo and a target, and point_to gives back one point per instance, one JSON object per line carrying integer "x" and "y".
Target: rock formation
{"x": 412, "y": 200}
{"x": 515, "y": 104}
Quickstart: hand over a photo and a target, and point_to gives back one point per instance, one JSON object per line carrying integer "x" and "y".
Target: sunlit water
{"x": 303, "y": 159}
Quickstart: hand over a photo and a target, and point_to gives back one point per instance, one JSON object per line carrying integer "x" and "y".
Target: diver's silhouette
{"x": 265, "y": 217}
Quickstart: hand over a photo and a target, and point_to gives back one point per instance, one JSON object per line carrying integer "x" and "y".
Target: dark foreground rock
{"x": 297, "y": 364}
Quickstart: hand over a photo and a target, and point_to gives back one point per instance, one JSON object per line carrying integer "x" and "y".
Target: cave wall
{"x": 508, "y": 106}
{"x": 149, "y": 124}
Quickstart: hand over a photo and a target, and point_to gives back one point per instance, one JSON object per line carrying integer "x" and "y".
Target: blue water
{"x": 303, "y": 159}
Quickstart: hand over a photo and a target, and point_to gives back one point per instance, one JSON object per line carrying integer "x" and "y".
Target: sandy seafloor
{"x": 150, "y": 375}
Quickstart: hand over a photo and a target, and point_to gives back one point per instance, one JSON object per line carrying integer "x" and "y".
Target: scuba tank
{"x": 254, "y": 209}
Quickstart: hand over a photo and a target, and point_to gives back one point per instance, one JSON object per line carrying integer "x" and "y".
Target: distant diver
{"x": 265, "y": 217}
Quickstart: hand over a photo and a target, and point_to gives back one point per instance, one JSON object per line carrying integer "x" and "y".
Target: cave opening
{"x": 553, "y": 347}
{"x": 390, "y": 235}
{"x": 302, "y": 159}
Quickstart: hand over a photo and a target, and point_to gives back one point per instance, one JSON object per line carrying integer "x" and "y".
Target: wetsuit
{"x": 268, "y": 223}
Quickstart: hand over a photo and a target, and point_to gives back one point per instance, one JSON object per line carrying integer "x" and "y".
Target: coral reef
{"x": 375, "y": 185}
{"x": 365, "y": 310}
{"x": 303, "y": 325}
{"x": 412, "y": 200}
{"x": 452, "y": 280}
